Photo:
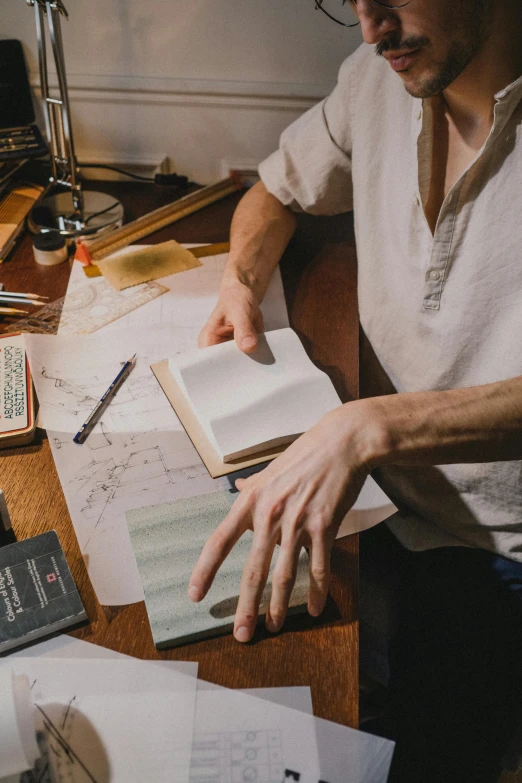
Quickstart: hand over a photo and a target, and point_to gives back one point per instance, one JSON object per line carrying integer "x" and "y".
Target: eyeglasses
{"x": 344, "y": 14}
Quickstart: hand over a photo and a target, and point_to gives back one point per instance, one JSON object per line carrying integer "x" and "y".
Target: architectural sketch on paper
{"x": 132, "y": 464}
{"x": 139, "y": 404}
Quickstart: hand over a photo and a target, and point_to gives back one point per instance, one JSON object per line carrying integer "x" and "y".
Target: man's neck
{"x": 470, "y": 98}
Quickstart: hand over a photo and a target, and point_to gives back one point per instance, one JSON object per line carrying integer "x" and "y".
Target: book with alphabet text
{"x": 17, "y": 419}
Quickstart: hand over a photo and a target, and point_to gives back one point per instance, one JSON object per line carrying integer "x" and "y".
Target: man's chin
{"x": 422, "y": 87}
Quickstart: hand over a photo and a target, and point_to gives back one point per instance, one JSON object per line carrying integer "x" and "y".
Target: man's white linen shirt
{"x": 440, "y": 311}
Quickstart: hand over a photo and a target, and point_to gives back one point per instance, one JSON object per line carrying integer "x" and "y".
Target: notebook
{"x": 249, "y": 403}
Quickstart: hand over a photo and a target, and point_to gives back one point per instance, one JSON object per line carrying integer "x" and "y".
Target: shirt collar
{"x": 512, "y": 91}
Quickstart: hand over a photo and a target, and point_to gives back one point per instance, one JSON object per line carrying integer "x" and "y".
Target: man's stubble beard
{"x": 460, "y": 54}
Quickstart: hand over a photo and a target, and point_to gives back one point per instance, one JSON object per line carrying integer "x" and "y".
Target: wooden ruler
{"x": 96, "y": 249}
{"x": 92, "y": 270}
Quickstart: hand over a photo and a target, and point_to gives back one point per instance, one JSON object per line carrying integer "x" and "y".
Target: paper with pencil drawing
{"x": 71, "y": 374}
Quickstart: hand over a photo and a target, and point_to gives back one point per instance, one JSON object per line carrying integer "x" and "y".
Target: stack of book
{"x": 14, "y": 208}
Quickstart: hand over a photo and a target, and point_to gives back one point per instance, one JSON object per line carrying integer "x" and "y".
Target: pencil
{"x": 22, "y": 293}
{"x": 20, "y": 300}
{"x": 12, "y": 311}
{"x": 83, "y": 433}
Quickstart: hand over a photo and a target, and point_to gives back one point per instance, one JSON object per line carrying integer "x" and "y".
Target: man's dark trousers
{"x": 455, "y": 690}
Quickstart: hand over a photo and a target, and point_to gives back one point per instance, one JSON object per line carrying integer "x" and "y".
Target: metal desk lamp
{"x": 66, "y": 206}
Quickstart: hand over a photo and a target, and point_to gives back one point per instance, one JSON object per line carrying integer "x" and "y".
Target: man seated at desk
{"x": 424, "y": 143}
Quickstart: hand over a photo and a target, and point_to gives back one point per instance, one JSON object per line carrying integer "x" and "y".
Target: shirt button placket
{"x": 440, "y": 254}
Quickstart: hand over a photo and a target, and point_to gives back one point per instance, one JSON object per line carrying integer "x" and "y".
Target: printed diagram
{"x": 237, "y": 757}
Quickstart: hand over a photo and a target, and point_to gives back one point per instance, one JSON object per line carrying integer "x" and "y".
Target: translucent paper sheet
{"x": 240, "y": 737}
{"x": 230, "y": 737}
{"x": 111, "y": 720}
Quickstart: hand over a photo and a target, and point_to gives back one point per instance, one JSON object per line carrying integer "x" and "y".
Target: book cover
{"x": 17, "y": 421}
{"x": 167, "y": 540}
{"x": 38, "y": 595}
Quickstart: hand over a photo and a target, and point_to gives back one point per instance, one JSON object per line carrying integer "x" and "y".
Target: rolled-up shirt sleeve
{"x": 311, "y": 170}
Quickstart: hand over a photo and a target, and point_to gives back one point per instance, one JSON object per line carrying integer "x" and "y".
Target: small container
{"x": 49, "y": 248}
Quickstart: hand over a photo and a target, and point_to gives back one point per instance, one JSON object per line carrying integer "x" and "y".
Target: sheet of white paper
{"x": 126, "y": 720}
{"x": 277, "y": 393}
{"x": 296, "y": 697}
{"x": 250, "y": 738}
{"x": 241, "y": 737}
{"x": 191, "y": 297}
{"x": 371, "y": 507}
{"x": 64, "y": 646}
{"x": 254, "y": 742}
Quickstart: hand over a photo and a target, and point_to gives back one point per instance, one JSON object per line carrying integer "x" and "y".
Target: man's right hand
{"x": 236, "y": 316}
{"x": 261, "y": 229}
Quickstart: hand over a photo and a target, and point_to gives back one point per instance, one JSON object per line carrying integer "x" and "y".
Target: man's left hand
{"x": 299, "y": 500}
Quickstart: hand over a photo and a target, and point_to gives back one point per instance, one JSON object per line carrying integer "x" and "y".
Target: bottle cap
{"x": 49, "y": 240}
{"x": 49, "y": 248}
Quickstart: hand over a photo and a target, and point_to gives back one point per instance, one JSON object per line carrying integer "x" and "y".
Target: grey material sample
{"x": 167, "y": 540}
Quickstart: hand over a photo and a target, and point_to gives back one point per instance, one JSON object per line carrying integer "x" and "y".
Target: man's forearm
{"x": 261, "y": 229}
{"x": 477, "y": 424}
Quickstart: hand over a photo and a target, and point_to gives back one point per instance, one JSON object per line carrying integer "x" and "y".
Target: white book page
{"x": 253, "y": 401}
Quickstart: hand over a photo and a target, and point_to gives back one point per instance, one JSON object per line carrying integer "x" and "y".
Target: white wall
{"x": 200, "y": 81}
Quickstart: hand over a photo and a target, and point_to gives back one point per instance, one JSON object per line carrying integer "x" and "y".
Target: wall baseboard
{"x": 143, "y": 166}
{"x": 195, "y": 123}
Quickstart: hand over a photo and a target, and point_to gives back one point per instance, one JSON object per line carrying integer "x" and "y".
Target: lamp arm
{"x": 57, "y": 110}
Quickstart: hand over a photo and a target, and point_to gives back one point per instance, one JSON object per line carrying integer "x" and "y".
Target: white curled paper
{"x": 18, "y": 746}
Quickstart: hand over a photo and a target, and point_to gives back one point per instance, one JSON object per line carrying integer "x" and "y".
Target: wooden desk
{"x": 319, "y": 278}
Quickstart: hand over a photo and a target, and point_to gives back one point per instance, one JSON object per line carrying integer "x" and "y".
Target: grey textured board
{"x": 167, "y": 540}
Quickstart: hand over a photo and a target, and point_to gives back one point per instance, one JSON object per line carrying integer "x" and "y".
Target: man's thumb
{"x": 245, "y": 336}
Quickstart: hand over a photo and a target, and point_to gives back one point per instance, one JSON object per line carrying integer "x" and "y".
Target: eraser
{"x": 82, "y": 253}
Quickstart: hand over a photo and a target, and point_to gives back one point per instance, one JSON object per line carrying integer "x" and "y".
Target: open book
{"x": 247, "y": 403}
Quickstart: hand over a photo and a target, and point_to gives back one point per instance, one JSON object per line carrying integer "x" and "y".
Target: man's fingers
{"x": 253, "y": 581}
{"x": 320, "y": 553}
{"x": 216, "y": 331}
{"x": 211, "y": 338}
{"x": 283, "y": 580}
{"x": 216, "y": 549}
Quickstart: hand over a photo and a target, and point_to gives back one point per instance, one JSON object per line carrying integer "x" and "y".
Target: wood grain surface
{"x": 319, "y": 274}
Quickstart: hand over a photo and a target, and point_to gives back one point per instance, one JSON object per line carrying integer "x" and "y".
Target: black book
{"x": 38, "y": 595}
